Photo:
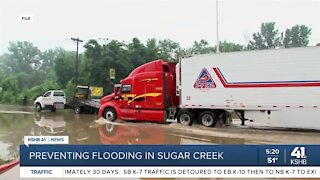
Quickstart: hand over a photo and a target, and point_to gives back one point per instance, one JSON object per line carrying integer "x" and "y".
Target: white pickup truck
{"x": 53, "y": 100}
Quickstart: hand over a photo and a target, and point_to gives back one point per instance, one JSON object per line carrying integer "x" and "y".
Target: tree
{"x": 65, "y": 67}
{"x": 267, "y": 38}
{"x": 9, "y": 87}
{"x": 27, "y": 80}
{"x": 168, "y": 49}
{"x": 152, "y": 51}
{"x": 186, "y": 52}
{"x": 2, "y": 75}
{"x": 230, "y": 47}
{"x": 137, "y": 53}
{"x": 100, "y": 58}
{"x": 201, "y": 47}
{"x": 297, "y": 36}
{"x": 23, "y": 57}
{"x": 4, "y": 60}
{"x": 48, "y": 57}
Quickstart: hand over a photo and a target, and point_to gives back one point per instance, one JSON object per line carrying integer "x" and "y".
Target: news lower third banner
{"x": 169, "y": 161}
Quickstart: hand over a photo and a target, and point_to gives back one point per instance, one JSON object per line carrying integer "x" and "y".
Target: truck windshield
{"x": 47, "y": 94}
{"x": 126, "y": 89}
{"x": 82, "y": 90}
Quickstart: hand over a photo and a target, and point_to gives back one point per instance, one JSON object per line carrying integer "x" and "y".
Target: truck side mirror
{"x": 115, "y": 91}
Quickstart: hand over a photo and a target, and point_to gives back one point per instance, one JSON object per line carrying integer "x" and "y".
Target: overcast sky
{"x": 184, "y": 21}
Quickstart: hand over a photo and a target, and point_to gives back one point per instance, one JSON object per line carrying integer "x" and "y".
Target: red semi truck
{"x": 275, "y": 88}
{"x": 147, "y": 94}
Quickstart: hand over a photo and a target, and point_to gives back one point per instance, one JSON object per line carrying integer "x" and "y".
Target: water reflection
{"x": 86, "y": 129}
{"x": 50, "y": 124}
{"x": 132, "y": 134}
{"x": 14, "y": 126}
{"x": 137, "y": 133}
{"x": 83, "y": 129}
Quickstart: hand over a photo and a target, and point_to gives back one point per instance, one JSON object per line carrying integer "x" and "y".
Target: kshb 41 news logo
{"x": 298, "y": 156}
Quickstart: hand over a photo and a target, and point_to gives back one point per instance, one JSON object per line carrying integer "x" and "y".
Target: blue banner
{"x": 170, "y": 155}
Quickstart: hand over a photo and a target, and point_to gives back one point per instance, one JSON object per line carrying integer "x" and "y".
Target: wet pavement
{"x": 17, "y": 122}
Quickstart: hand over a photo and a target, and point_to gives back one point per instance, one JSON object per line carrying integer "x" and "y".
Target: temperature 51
{"x": 272, "y": 160}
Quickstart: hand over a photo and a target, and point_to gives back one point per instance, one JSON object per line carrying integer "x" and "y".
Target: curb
{"x": 9, "y": 165}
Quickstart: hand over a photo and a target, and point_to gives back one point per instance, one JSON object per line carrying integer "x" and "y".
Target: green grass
{"x": 4, "y": 161}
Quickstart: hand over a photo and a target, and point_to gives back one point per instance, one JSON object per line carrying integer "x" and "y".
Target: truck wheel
{"x": 185, "y": 117}
{"x": 78, "y": 110}
{"x": 208, "y": 118}
{"x": 227, "y": 118}
{"x": 110, "y": 114}
{"x": 38, "y": 107}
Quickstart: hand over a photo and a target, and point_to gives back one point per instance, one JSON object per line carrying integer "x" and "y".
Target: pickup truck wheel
{"x": 38, "y": 107}
{"x": 110, "y": 114}
{"x": 208, "y": 118}
{"x": 185, "y": 117}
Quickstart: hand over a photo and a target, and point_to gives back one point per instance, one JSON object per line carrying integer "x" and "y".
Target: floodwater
{"x": 17, "y": 122}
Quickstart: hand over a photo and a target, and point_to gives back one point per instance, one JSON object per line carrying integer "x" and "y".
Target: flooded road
{"x": 17, "y": 122}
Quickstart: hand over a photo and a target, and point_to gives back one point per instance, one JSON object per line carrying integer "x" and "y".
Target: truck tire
{"x": 110, "y": 114}
{"x": 208, "y": 118}
{"x": 227, "y": 118}
{"x": 38, "y": 107}
{"x": 185, "y": 117}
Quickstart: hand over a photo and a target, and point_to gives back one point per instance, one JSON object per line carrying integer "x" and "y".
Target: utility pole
{"x": 217, "y": 16}
{"x": 77, "y": 57}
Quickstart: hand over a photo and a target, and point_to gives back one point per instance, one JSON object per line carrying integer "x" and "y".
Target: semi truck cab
{"x": 147, "y": 94}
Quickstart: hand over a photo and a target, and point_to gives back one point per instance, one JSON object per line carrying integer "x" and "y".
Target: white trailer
{"x": 275, "y": 88}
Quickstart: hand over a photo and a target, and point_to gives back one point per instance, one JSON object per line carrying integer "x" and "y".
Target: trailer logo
{"x": 204, "y": 80}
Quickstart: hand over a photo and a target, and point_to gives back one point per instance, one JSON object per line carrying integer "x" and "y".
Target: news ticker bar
{"x": 170, "y": 155}
{"x": 170, "y": 172}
